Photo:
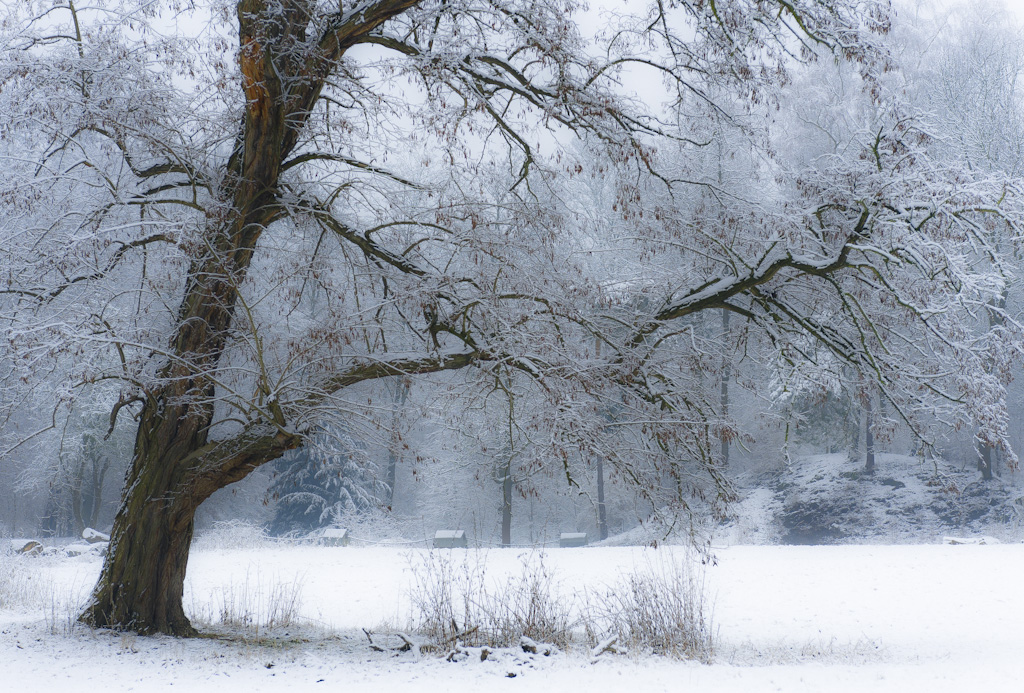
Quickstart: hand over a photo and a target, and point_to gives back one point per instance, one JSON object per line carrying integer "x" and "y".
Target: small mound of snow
{"x": 94, "y": 537}
{"x": 977, "y": 541}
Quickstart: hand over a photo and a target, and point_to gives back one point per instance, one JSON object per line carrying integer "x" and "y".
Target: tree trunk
{"x": 99, "y": 473}
{"x": 140, "y": 588}
{"x": 392, "y": 475}
{"x": 174, "y": 466}
{"x": 726, "y": 375}
{"x": 56, "y": 520}
{"x": 602, "y": 510}
{"x": 986, "y": 455}
{"x": 143, "y": 577}
{"x": 506, "y": 503}
{"x": 985, "y": 461}
{"x": 869, "y": 436}
{"x": 77, "y": 481}
{"x": 402, "y": 385}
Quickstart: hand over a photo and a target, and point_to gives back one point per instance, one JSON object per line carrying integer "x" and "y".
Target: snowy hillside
{"x": 827, "y": 499}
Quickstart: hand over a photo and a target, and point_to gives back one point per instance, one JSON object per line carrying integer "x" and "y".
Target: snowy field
{"x": 838, "y": 618}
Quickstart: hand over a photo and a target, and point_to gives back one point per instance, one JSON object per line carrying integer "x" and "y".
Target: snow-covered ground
{"x": 789, "y": 618}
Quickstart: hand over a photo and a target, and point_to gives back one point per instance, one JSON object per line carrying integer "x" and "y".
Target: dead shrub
{"x": 454, "y": 601}
{"x": 661, "y": 607}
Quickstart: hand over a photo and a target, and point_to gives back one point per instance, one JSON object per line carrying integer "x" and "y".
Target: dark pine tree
{"x": 315, "y": 486}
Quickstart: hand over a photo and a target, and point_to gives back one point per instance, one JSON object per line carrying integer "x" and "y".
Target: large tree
{"x": 248, "y": 214}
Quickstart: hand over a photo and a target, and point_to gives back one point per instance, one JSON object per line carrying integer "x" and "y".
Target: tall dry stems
{"x": 661, "y": 606}
{"x": 454, "y": 600}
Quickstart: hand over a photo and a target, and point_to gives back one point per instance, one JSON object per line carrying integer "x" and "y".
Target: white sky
{"x": 1014, "y": 6}
{"x": 1017, "y": 7}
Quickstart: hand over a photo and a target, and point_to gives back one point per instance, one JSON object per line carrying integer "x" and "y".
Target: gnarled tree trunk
{"x": 175, "y": 467}
{"x": 143, "y": 578}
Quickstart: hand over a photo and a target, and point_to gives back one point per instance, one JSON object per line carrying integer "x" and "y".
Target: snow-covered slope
{"x": 827, "y": 499}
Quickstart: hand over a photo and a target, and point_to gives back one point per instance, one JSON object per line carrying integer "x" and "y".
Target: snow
{"x": 790, "y": 618}
{"x": 94, "y": 537}
{"x": 829, "y": 499}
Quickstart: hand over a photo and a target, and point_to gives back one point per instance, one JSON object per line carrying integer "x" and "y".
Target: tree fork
{"x": 143, "y": 577}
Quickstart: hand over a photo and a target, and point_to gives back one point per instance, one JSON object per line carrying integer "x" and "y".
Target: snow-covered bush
{"x": 314, "y": 487}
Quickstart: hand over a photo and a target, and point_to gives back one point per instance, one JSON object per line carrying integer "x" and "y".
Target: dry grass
{"x": 24, "y": 582}
{"x": 660, "y": 608}
{"x": 454, "y": 600}
{"x": 255, "y": 605}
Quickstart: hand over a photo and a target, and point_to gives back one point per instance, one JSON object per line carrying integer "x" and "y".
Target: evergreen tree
{"x": 316, "y": 485}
